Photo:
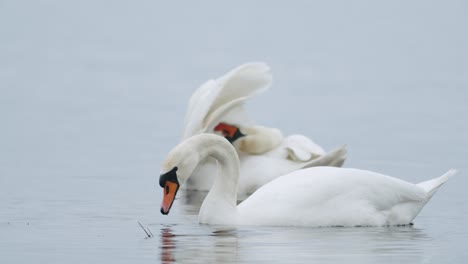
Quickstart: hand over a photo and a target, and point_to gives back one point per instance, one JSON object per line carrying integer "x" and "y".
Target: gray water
{"x": 93, "y": 95}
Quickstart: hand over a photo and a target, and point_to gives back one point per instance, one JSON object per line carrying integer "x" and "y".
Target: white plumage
{"x": 319, "y": 196}
{"x": 264, "y": 153}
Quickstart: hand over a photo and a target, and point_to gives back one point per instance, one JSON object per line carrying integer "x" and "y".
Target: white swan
{"x": 218, "y": 107}
{"x": 319, "y": 196}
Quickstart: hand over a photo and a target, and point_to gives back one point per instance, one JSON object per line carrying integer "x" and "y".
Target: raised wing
{"x": 224, "y": 97}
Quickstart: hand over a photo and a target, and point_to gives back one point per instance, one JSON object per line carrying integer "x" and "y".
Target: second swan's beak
{"x": 170, "y": 191}
{"x": 230, "y": 132}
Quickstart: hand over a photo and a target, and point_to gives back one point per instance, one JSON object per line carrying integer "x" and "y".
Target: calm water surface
{"x": 93, "y": 96}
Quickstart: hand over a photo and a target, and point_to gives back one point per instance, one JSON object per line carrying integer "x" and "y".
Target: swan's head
{"x": 230, "y": 132}
{"x": 170, "y": 183}
{"x": 251, "y": 139}
{"x": 176, "y": 169}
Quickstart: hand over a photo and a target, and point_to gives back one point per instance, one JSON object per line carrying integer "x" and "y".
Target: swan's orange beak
{"x": 227, "y": 130}
{"x": 231, "y": 133}
{"x": 170, "y": 191}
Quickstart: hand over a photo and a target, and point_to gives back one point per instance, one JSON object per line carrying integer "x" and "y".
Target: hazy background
{"x": 93, "y": 95}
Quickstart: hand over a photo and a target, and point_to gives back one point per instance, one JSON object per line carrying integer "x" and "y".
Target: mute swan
{"x": 265, "y": 154}
{"x": 319, "y": 196}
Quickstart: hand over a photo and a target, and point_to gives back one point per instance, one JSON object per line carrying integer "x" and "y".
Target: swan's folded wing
{"x": 321, "y": 195}
{"x": 301, "y": 148}
{"x": 334, "y": 158}
{"x": 225, "y": 96}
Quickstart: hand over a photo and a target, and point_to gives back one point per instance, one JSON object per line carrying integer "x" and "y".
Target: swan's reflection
{"x": 167, "y": 246}
{"x": 181, "y": 243}
{"x": 216, "y": 246}
{"x": 188, "y": 242}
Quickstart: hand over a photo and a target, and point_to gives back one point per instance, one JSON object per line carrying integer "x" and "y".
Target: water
{"x": 93, "y": 93}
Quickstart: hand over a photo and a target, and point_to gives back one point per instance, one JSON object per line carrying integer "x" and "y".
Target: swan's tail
{"x": 431, "y": 186}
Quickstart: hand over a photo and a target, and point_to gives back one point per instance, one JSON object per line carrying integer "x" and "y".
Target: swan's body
{"x": 264, "y": 153}
{"x": 319, "y": 196}
{"x": 257, "y": 170}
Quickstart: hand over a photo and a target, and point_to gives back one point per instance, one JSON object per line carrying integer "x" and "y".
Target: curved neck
{"x": 219, "y": 206}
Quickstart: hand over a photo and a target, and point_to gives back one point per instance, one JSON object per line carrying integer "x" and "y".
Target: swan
{"x": 318, "y": 196}
{"x": 217, "y": 107}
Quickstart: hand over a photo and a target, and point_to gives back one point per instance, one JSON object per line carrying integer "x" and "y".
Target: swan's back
{"x": 328, "y": 196}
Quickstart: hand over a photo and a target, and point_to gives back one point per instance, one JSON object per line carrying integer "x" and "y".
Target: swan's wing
{"x": 335, "y": 158}
{"x": 306, "y": 153}
{"x": 257, "y": 170}
{"x": 225, "y": 96}
{"x": 301, "y": 148}
{"x": 328, "y": 196}
{"x": 199, "y": 105}
{"x": 232, "y": 112}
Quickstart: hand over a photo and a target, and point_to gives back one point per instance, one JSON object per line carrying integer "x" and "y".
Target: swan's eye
{"x": 168, "y": 176}
{"x": 167, "y": 189}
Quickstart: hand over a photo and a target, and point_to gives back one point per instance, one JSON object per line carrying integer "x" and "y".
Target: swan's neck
{"x": 220, "y": 205}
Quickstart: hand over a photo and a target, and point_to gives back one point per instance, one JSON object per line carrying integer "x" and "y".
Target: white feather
{"x": 265, "y": 153}
{"x": 319, "y": 196}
